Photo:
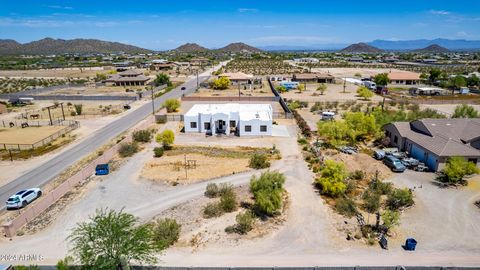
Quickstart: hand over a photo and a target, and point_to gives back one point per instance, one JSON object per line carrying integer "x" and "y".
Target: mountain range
{"x": 361, "y": 48}
{"x": 58, "y": 46}
{"x": 236, "y": 47}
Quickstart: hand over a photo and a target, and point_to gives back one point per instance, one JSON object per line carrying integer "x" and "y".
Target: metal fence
{"x": 288, "y": 112}
{"x": 74, "y": 97}
{"x": 48, "y": 199}
{"x": 36, "y": 91}
{"x": 69, "y": 126}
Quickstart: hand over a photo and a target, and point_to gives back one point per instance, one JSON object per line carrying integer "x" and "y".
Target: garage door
{"x": 418, "y": 153}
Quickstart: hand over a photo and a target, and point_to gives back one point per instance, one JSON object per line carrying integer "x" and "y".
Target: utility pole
{"x": 50, "y": 116}
{"x": 63, "y": 112}
{"x": 344, "y": 84}
{"x": 197, "y": 80}
{"x": 153, "y": 103}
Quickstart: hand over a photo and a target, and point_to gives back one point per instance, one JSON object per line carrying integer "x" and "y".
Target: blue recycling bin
{"x": 102, "y": 169}
{"x": 410, "y": 244}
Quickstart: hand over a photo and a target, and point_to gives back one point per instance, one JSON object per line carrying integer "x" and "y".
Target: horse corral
{"x": 28, "y": 135}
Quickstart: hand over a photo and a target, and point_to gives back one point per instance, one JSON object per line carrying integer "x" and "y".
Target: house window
{"x": 193, "y": 124}
{"x": 206, "y": 126}
{"x": 248, "y": 128}
{"x": 395, "y": 140}
{"x": 263, "y": 128}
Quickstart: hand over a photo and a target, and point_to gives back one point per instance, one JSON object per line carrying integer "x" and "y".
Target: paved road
{"x": 48, "y": 170}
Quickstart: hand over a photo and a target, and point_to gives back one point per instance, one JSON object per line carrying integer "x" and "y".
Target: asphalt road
{"x": 48, "y": 170}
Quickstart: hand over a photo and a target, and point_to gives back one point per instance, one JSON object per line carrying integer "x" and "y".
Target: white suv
{"x": 23, "y": 197}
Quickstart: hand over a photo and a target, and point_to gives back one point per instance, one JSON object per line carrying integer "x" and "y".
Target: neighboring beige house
{"x": 127, "y": 78}
{"x": 404, "y": 77}
{"x": 241, "y": 78}
{"x": 313, "y": 78}
{"x": 200, "y": 61}
{"x": 433, "y": 141}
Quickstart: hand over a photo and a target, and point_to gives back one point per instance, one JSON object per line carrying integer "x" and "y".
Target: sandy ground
{"x": 54, "y": 73}
{"x": 28, "y": 135}
{"x": 351, "y": 72}
{"x": 334, "y": 92}
{"x": 232, "y": 91}
{"x": 308, "y": 236}
{"x": 172, "y": 168}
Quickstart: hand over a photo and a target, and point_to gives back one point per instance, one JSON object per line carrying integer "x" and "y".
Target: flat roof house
{"x": 433, "y": 141}
{"x": 241, "y": 78}
{"x": 313, "y": 78}
{"x": 404, "y": 77}
{"x": 230, "y": 118}
{"x": 127, "y": 78}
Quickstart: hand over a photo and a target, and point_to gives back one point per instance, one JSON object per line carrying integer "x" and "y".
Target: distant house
{"x": 313, "y": 78}
{"x": 161, "y": 64}
{"x": 433, "y": 141}
{"x": 404, "y": 77}
{"x": 127, "y": 78}
{"x": 200, "y": 61}
{"x": 230, "y": 118}
{"x": 241, "y": 78}
{"x": 308, "y": 60}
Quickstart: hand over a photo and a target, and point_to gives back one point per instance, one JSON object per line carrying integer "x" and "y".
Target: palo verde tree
{"x": 221, "y": 83}
{"x": 364, "y": 93}
{"x": 332, "y": 179}
{"x": 111, "y": 240}
{"x": 167, "y": 137}
{"x": 267, "y": 191}
{"x": 171, "y": 104}
{"x": 456, "y": 169}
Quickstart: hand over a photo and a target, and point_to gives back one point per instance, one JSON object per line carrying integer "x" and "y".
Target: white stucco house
{"x": 230, "y": 118}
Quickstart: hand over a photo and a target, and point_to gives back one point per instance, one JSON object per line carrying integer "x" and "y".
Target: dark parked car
{"x": 183, "y": 88}
{"x": 394, "y": 164}
{"x": 102, "y": 169}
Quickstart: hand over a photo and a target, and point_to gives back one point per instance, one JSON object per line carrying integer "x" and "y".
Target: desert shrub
{"x": 456, "y": 169}
{"x": 400, "y": 198}
{"x": 212, "y": 190}
{"x": 346, "y": 207}
{"x": 221, "y": 83}
{"x": 390, "y": 219}
{"x": 224, "y": 188}
{"x": 259, "y": 161}
{"x": 171, "y": 105}
{"x": 128, "y": 149}
{"x": 302, "y": 141}
{"x": 212, "y": 210}
{"x": 267, "y": 191}
{"x": 228, "y": 201}
{"x": 165, "y": 232}
{"x": 244, "y": 223}
{"x": 158, "y": 152}
{"x": 167, "y": 137}
{"x": 357, "y": 175}
{"x": 143, "y": 135}
{"x": 65, "y": 263}
{"x": 380, "y": 187}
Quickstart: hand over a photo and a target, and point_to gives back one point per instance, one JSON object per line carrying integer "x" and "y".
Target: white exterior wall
{"x": 255, "y": 124}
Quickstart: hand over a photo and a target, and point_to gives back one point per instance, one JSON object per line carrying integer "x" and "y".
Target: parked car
{"x": 22, "y": 198}
{"x": 127, "y": 106}
{"x": 102, "y": 169}
{"x": 183, "y": 88}
{"x": 410, "y": 162}
{"x": 394, "y": 163}
{"x": 348, "y": 150}
{"x": 328, "y": 115}
{"x": 421, "y": 168}
{"x": 379, "y": 154}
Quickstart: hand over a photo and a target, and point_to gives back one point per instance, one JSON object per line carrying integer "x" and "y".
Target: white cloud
{"x": 247, "y": 10}
{"x": 439, "y": 12}
{"x": 60, "y": 7}
{"x": 462, "y": 34}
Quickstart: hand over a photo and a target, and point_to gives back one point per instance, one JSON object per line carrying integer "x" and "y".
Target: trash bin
{"x": 410, "y": 244}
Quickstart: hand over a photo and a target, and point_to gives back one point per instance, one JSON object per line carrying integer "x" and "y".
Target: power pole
{"x": 63, "y": 112}
{"x": 344, "y": 84}
{"x": 197, "y": 80}
{"x": 153, "y": 104}
{"x": 50, "y": 116}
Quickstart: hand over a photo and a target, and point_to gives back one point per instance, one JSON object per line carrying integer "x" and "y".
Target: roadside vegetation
{"x": 456, "y": 170}
{"x": 113, "y": 240}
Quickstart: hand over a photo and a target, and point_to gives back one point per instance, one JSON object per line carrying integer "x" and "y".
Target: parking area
{"x": 443, "y": 219}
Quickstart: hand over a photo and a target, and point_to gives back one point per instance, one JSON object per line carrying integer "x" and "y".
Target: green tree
{"x": 162, "y": 79}
{"x": 322, "y": 88}
{"x": 364, "y": 92}
{"x": 221, "y": 83}
{"x": 473, "y": 80}
{"x": 167, "y": 137}
{"x": 267, "y": 191}
{"x": 100, "y": 77}
{"x": 281, "y": 89}
{"x": 390, "y": 219}
{"x": 371, "y": 201}
{"x": 456, "y": 169}
{"x": 381, "y": 79}
{"x": 434, "y": 74}
{"x": 465, "y": 111}
{"x": 332, "y": 179}
{"x": 458, "y": 81}
{"x": 110, "y": 240}
{"x": 400, "y": 198}
{"x": 172, "y": 105}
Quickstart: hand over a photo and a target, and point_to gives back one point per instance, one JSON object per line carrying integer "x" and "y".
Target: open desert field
{"x": 54, "y": 73}
{"x": 28, "y": 135}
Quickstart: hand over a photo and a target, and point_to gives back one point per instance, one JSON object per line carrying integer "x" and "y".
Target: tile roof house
{"x": 313, "y": 78}
{"x": 433, "y": 141}
{"x": 404, "y": 77}
{"x": 127, "y": 78}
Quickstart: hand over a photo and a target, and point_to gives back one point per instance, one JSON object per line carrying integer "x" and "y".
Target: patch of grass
{"x": 239, "y": 152}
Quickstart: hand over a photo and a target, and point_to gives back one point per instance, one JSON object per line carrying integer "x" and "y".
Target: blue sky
{"x": 167, "y": 24}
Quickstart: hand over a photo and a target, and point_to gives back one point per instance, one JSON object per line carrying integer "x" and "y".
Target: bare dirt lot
{"x": 171, "y": 168}
{"x": 28, "y": 135}
{"x": 53, "y": 73}
{"x": 233, "y": 91}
